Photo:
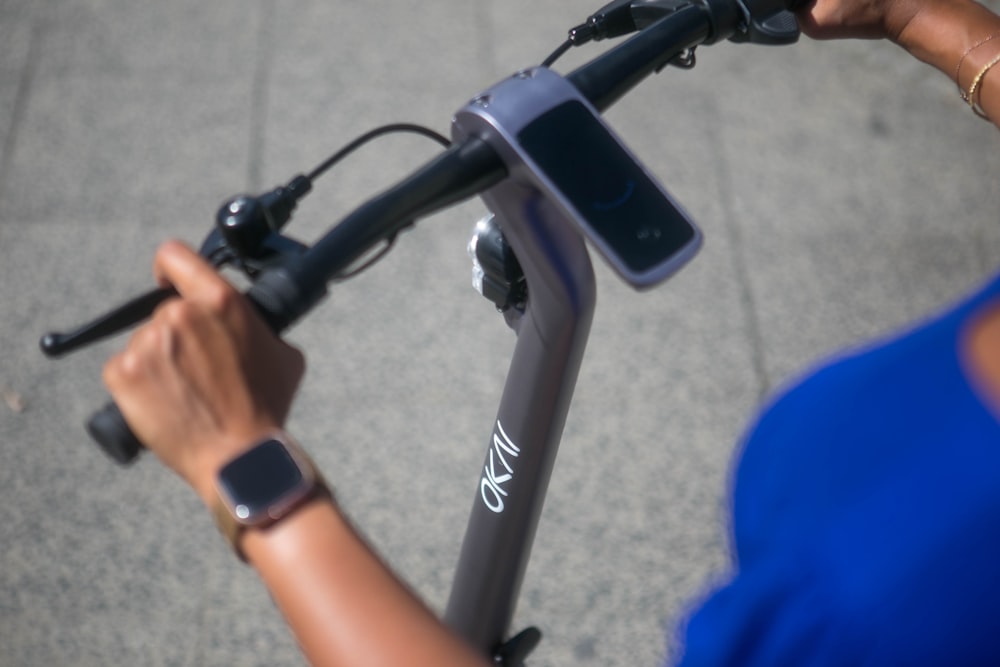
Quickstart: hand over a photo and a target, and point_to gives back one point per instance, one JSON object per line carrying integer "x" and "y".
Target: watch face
{"x": 263, "y": 483}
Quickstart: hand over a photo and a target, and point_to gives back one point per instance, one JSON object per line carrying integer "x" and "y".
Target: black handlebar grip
{"x": 108, "y": 427}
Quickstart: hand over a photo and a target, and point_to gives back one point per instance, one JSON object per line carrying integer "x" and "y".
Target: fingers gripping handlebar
{"x": 290, "y": 279}
{"x": 108, "y": 426}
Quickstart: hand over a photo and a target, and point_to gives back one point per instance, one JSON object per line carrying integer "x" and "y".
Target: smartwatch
{"x": 263, "y": 485}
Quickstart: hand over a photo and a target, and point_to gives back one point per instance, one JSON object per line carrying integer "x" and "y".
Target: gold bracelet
{"x": 971, "y": 99}
{"x": 958, "y": 70}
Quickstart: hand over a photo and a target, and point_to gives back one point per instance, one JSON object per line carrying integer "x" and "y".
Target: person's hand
{"x": 858, "y": 19}
{"x": 205, "y": 377}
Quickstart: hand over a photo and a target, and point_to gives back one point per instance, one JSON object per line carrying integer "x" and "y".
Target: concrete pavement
{"x": 844, "y": 191}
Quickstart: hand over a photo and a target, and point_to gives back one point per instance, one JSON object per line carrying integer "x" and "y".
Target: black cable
{"x": 563, "y": 48}
{"x": 368, "y": 136}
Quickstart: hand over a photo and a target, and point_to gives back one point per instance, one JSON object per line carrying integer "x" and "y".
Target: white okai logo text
{"x": 498, "y": 470}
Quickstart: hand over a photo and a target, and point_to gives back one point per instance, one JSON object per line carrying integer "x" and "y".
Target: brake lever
{"x": 55, "y": 344}
{"x": 245, "y": 235}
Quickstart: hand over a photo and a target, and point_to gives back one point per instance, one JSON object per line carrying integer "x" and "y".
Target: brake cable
{"x": 355, "y": 145}
{"x": 373, "y": 134}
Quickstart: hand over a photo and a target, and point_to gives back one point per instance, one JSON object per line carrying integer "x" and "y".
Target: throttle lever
{"x": 770, "y": 22}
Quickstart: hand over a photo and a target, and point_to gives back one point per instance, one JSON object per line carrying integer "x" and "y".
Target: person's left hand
{"x": 205, "y": 377}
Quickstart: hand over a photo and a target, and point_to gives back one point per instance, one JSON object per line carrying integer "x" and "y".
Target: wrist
{"x": 950, "y": 35}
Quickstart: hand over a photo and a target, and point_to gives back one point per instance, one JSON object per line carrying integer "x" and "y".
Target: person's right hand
{"x": 858, "y": 19}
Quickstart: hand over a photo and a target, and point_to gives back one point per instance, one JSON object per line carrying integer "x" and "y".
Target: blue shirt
{"x": 866, "y": 517}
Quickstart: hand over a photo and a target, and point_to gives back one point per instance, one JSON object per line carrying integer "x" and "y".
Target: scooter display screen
{"x": 610, "y": 193}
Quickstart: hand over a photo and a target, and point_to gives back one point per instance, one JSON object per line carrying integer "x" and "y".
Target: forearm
{"x": 206, "y": 386}
{"x": 960, "y": 38}
{"x": 344, "y": 606}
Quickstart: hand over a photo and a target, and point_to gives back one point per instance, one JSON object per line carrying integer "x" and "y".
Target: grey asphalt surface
{"x": 844, "y": 191}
